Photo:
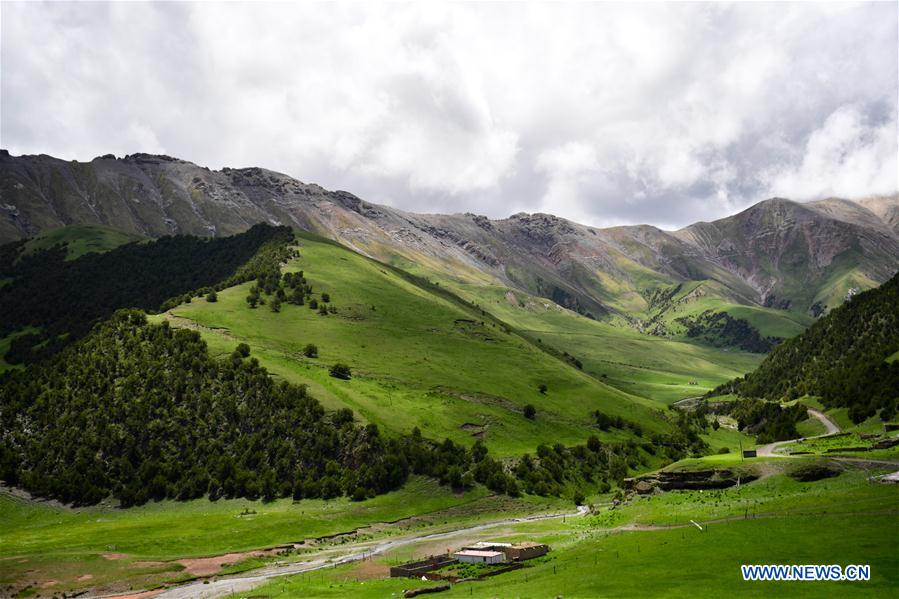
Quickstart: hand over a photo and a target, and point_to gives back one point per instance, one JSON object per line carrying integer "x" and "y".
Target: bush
{"x": 724, "y": 450}
{"x": 212, "y": 297}
{"x": 326, "y": 297}
{"x": 530, "y": 412}
{"x": 579, "y": 498}
{"x": 253, "y": 297}
{"x": 310, "y": 351}
{"x": 542, "y": 388}
{"x": 340, "y": 371}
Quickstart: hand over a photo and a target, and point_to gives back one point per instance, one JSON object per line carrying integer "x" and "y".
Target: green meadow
{"x": 649, "y": 547}
{"x": 661, "y": 563}
{"x": 41, "y": 541}
{"x": 660, "y": 369}
{"x": 420, "y": 358}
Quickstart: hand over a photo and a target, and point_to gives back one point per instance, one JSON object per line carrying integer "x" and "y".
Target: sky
{"x": 606, "y": 114}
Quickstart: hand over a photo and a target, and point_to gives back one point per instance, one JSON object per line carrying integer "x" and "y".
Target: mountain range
{"x": 798, "y": 258}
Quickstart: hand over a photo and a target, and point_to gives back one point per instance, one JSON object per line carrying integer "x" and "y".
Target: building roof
{"x": 526, "y": 544}
{"x": 477, "y": 553}
{"x": 484, "y": 544}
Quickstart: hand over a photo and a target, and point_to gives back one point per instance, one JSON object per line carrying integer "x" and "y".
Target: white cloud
{"x": 600, "y": 112}
{"x": 847, "y": 155}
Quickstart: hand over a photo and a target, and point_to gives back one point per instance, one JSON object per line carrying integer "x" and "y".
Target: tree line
{"x": 723, "y": 330}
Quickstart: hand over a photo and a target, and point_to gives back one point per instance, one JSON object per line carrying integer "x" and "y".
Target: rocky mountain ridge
{"x": 777, "y": 253}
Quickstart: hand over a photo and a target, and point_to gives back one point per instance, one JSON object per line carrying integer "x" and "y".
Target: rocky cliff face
{"x": 784, "y": 250}
{"x": 777, "y": 253}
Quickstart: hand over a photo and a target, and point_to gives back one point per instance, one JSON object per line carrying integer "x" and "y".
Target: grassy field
{"x": 630, "y": 552}
{"x": 662, "y": 563}
{"x": 41, "y": 542}
{"x": 419, "y": 358}
{"x": 832, "y": 443}
{"x": 656, "y": 368}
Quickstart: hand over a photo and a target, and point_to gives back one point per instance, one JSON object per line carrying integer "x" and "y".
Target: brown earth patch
{"x": 49, "y": 583}
{"x": 209, "y": 566}
{"x": 368, "y": 570}
{"x": 115, "y": 555}
{"x": 84, "y": 577}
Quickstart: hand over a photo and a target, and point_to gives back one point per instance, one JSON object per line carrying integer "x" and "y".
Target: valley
{"x": 499, "y": 380}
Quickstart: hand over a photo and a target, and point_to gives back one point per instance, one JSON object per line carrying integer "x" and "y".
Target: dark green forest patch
{"x": 65, "y": 298}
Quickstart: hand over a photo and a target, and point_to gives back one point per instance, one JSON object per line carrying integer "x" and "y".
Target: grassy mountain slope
{"x": 657, "y": 368}
{"x": 419, "y": 357}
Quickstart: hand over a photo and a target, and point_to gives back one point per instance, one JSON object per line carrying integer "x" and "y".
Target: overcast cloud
{"x": 605, "y": 114}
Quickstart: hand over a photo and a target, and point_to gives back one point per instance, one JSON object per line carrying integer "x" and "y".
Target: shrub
{"x": 326, "y": 297}
{"x": 542, "y": 388}
{"x": 212, "y": 297}
{"x": 253, "y": 297}
{"x": 340, "y": 371}
{"x": 530, "y": 412}
{"x": 310, "y": 351}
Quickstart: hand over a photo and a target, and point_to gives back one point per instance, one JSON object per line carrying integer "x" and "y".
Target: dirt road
{"x": 829, "y": 425}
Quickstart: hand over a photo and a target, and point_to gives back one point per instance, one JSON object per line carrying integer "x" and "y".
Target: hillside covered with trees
{"x": 141, "y": 411}
{"x": 62, "y": 299}
{"x": 843, "y": 358}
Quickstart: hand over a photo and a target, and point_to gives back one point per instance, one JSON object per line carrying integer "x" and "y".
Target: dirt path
{"x": 769, "y": 450}
{"x": 829, "y": 424}
{"x": 359, "y": 551}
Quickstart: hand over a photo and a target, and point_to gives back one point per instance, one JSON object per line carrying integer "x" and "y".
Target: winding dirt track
{"x": 831, "y": 427}
{"x": 358, "y": 551}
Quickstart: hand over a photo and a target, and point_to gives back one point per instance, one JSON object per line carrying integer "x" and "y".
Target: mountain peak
{"x": 777, "y": 247}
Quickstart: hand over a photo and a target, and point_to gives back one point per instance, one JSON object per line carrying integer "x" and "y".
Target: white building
{"x": 475, "y": 556}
